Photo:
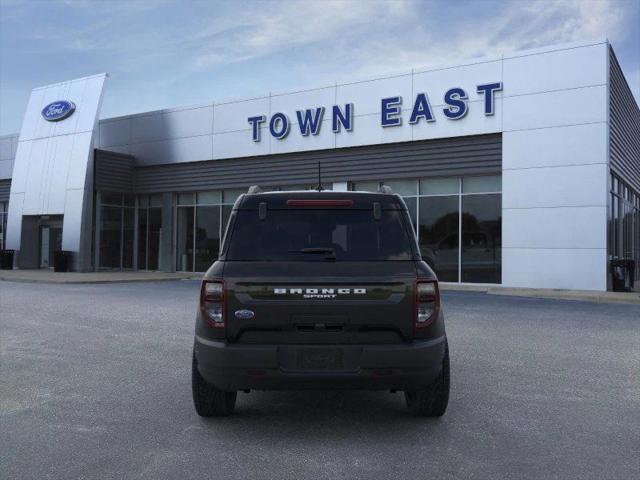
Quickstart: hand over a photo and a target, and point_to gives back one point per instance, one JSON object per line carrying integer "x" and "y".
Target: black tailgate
{"x": 319, "y": 302}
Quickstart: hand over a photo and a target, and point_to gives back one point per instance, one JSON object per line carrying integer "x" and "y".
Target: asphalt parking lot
{"x": 95, "y": 383}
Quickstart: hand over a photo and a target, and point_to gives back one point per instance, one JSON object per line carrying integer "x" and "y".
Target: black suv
{"x": 320, "y": 290}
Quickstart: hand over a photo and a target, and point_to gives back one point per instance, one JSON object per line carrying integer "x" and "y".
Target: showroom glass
{"x": 481, "y": 251}
{"x": 149, "y": 231}
{"x": 117, "y": 231}
{"x": 459, "y": 223}
{"x": 624, "y": 224}
{"x": 201, "y": 222}
{"x": 3, "y": 223}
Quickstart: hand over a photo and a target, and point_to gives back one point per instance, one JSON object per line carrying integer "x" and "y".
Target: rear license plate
{"x": 319, "y": 359}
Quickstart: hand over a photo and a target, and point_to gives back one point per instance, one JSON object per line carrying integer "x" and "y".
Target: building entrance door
{"x": 50, "y": 241}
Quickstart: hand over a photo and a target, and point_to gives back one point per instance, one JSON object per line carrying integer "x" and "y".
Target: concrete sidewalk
{"x": 579, "y": 295}
{"x": 49, "y": 276}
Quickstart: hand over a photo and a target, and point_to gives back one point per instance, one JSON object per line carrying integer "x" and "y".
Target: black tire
{"x": 208, "y": 400}
{"x": 433, "y": 400}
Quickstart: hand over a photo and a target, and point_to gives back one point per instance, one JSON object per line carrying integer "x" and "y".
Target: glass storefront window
{"x": 365, "y": 186}
{"x": 110, "y": 236}
{"x": 201, "y": 226}
{"x": 293, "y": 188}
{"x": 481, "y": 238}
{"x": 186, "y": 199}
{"x": 117, "y": 231}
{"x": 3, "y": 223}
{"x": 184, "y": 247}
{"x": 438, "y": 208}
{"x": 111, "y": 199}
{"x": 155, "y": 229}
{"x": 155, "y": 200}
{"x": 230, "y": 196}
{"x": 209, "y": 198}
{"x": 207, "y": 238}
{"x": 128, "y": 232}
{"x": 439, "y": 186}
{"x": 143, "y": 230}
{"x": 624, "y": 236}
{"x": 439, "y": 235}
{"x": 486, "y": 184}
{"x": 149, "y": 228}
{"x": 403, "y": 187}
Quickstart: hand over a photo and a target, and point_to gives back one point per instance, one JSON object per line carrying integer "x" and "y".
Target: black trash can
{"x": 6, "y": 259}
{"x": 623, "y": 273}
{"x": 62, "y": 261}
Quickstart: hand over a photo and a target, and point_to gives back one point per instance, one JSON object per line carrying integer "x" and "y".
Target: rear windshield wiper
{"x": 330, "y": 252}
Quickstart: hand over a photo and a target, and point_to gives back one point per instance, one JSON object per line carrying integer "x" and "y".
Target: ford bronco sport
{"x": 320, "y": 290}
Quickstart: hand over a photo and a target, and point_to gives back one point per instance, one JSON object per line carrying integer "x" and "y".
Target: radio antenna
{"x": 319, "y": 179}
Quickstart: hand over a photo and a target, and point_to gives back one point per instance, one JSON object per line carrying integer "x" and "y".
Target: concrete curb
{"x": 575, "y": 295}
{"x": 95, "y": 282}
{"x": 69, "y": 278}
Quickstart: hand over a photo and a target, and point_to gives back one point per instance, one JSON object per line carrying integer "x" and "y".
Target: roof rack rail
{"x": 386, "y": 189}
{"x": 254, "y": 189}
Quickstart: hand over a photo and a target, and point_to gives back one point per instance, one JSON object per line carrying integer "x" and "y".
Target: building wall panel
{"x": 548, "y": 228}
{"x": 566, "y": 69}
{"x": 575, "y": 269}
{"x": 552, "y": 147}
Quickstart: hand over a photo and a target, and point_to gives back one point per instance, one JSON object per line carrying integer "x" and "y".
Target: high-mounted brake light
{"x": 212, "y": 295}
{"x": 427, "y": 302}
{"x": 319, "y": 203}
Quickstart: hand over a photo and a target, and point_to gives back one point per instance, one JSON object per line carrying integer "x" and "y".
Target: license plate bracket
{"x": 320, "y": 358}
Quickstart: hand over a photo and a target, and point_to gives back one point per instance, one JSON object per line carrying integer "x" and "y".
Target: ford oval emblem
{"x": 56, "y": 111}
{"x": 244, "y": 314}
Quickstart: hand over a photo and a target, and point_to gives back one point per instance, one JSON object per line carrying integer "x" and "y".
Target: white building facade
{"x": 521, "y": 170}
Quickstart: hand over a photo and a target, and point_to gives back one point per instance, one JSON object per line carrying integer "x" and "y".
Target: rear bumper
{"x": 287, "y": 367}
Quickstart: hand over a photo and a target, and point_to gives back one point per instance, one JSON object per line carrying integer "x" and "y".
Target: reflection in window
{"x": 184, "y": 248}
{"x": 201, "y": 226}
{"x": 128, "y": 232}
{"x": 624, "y": 236}
{"x": 3, "y": 223}
{"x": 155, "y": 228}
{"x": 149, "y": 228}
{"x": 207, "y": 237}
{"x": 481, "y": 238}
{"x": 110, "y": 236}
{"x": 117, "y": 231}
{"x": 439, "y": 223}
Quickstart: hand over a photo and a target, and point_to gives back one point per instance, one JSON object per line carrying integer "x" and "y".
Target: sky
{"x": 162, "y": 53}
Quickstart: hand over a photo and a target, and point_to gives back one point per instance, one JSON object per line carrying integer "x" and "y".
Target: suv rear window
{"x": 319, "y": 235}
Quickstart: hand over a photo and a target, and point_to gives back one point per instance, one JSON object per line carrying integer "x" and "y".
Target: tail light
{"x": 427, "y": 302}
{"x": 212, "y": 303}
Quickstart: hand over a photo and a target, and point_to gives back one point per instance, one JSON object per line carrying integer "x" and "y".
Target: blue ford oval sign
{"x": 56, "y": 111}
{"x": 244, "y": 314}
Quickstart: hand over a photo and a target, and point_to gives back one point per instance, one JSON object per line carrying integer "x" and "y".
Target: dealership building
{"x": 521, "y": 169}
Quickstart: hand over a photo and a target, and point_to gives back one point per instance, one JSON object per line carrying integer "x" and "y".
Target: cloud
{"x": 516, "y": 26}
{"x": 282, "y": 27}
